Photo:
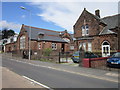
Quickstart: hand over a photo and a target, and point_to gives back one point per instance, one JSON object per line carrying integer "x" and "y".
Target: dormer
{"x": 41, "y": 34}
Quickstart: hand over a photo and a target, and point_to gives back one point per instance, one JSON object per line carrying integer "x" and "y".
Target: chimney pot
{"x": 97, "y": 13}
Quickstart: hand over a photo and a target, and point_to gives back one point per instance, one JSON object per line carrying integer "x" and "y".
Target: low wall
{"x": 94, "y": 62}
{"x": 98, "y": 62}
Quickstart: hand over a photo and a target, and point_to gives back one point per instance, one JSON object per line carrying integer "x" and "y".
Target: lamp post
{"x": 29, "y": 31}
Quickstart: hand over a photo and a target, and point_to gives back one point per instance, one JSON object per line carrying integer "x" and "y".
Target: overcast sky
{"x": 56, "y": 15}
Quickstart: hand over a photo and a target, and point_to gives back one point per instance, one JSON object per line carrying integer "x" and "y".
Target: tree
{"x": 7, "y": 33}
{"x": 11, "y": 33}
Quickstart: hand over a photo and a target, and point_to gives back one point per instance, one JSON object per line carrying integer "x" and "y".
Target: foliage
{"x": 47, "y": 51}
{"x": 7, "y": 33}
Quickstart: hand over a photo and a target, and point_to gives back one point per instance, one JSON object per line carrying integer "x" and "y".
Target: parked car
{"x": 114, "y": 60}
{"x": 75, "y": 56}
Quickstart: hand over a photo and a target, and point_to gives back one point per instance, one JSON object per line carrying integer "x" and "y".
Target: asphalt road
{"x": 54, "y": 78}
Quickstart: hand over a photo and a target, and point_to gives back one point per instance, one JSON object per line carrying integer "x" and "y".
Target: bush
{"x": 47, "y": 51}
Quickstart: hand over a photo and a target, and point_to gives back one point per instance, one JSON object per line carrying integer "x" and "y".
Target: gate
{"x": 63, "y": 57}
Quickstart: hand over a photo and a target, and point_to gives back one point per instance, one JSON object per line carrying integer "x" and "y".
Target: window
{"x": 85, "y": 30}
{"x": 54, "y": 46}
{"x": 22, "y": 42}
{"x": 116, "y": 55}
{"x": 105, "y": 49}
{"x": 89, "y": 46}
{"x": 84, "y": 46}
{"x": 71, "y": 47}
{"x": 39, "y": 45}
{"x": 80, "y": 45}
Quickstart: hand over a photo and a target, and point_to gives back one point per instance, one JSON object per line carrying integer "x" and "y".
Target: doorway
{"x": 105, "y": 49}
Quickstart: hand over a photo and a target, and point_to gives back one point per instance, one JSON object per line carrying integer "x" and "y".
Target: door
{"x": 105, "y": 49}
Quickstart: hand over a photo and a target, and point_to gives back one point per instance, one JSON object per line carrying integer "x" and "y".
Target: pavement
{"x": 13, "y": 80}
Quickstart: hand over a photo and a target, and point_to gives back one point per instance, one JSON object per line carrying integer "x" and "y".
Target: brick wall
{"x": 86, "y": 18}
{"x": 95, "y": 27}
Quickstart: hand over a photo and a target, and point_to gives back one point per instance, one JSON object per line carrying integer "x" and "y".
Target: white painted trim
{"x": 107, "y": 54}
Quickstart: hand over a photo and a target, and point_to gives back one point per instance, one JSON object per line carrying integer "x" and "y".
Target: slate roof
{"x": 49, "y": 35}
{"x": 112, "y": 22}
{"x": 96, "y": 17}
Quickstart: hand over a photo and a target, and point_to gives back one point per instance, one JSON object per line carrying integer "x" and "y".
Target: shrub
{"x": 47, "y": 51}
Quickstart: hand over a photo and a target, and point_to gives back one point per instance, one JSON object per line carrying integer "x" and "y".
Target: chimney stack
{"x": 97, "y": 13}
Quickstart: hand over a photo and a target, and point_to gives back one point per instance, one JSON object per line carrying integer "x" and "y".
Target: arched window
{"x": 22, "y": 42}
{"x": 105, "y": 49}
{"x": 105, "y": 43}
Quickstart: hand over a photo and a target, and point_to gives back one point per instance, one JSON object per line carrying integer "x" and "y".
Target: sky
{"x": 54, "y": 15}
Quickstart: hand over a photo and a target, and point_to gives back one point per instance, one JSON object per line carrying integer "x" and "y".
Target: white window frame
{"x": 22, "y": 42}
{"x": 71, "y": 47}
{"x": 89, "y": 46}
{"x": 39, "y": 45}
{"x": 85, "y": 30}
{"x": 84, "y": 46}
{"x": 80, "y": 45}
{"x": 54, "y": 46}
{"x": 105, "y": 49}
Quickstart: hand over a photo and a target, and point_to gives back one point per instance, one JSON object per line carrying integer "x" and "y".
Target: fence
{"x": 52, "y": 56}
{"x": 64, "y": 56}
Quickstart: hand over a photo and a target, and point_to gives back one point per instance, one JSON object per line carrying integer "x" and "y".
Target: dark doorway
{"x": 63, "y": 47}
{"x": 25, "y": 55}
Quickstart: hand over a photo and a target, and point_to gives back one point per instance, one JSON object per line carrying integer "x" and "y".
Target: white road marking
{"x": 112, "y": 74}
{"x": 37, "y": 82}
{"x": 82, "y": 74}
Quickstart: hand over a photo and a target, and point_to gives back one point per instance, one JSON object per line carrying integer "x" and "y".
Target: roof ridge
{"x": 110, "y": 16}
{"x": 41, "y": 28}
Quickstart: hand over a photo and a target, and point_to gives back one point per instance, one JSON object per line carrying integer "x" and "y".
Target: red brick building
{"x": 41, "y": 39}
{"x": 96, "y": 34}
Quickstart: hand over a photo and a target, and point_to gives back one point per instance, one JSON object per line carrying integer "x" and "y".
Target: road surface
{"x": 56, "y": 78}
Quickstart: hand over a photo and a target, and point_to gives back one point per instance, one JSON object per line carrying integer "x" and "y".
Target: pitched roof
{"x": 49, "y": 35}
{"x": 112, "y": 22}
{"x": 96, "y": 17}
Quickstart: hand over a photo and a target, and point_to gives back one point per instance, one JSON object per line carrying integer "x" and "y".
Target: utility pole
{"x": 29, "y": 46}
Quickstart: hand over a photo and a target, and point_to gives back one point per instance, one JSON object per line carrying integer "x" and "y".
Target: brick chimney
{"x": 97, "y": 13}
